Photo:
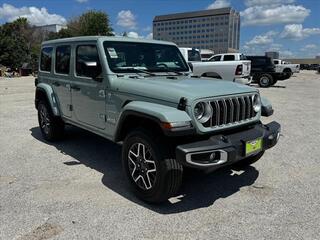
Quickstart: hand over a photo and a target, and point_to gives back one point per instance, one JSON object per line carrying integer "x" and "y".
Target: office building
{"x": 214, "y": 29}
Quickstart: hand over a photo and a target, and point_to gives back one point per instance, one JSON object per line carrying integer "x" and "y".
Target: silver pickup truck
{"x": 236, "y": 71}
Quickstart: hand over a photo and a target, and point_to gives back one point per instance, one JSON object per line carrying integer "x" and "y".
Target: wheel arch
{"x": 212, "y": 75}
{"x": 45, "y": 92}
{"x": 150, "y": 115}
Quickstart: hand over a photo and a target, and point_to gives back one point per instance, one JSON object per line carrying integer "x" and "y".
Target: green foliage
{"x": 20, "y": 42}
{"x": 14, "y": 49}
{"x": 94, "y": 23}
{"x": 90, "y": 23}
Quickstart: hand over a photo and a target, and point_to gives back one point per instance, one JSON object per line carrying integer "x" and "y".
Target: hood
{"x": 172, "y": 90}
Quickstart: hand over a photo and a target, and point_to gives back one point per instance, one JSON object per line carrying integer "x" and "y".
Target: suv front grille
{"x": 231, "y": 110}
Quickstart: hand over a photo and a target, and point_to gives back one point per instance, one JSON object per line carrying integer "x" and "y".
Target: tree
{"x": 95, "y": 23}
{"x": 90, "y": 23}
{"x": 14, "y": 49}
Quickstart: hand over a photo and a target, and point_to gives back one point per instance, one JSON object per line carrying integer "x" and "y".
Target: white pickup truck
{"x": 284, "y": 67}
{"x": 237, "y": 71}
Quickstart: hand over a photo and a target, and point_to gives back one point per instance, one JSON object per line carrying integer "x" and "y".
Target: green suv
{"x": 140, "y": 93}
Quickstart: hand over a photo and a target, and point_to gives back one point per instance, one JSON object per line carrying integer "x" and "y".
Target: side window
{"x": 87, "y": 61}
{"x": 216, "y": 58}
{"x": 45, "y": 59}
{"x": 228, "y": 58}
{"x": 63, "y": 59}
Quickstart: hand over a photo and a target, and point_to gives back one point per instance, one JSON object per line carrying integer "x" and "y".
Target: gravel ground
{"x": 75, "y": 189}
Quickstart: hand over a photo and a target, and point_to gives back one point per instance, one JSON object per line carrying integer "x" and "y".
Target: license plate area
{"x": 253, "y": 146}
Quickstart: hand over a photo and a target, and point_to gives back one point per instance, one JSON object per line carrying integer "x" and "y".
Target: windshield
{"x": 194, "y": 55}
{"x": 124, "y": 57}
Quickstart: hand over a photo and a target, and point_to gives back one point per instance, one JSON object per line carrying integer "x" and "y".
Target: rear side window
{"x": 63, "y": 59}
{"x": 228, "y": 58}
{"x": 45, "y": 59}
{"x": 194, "y": 56}
{"x": 86, "y": 55}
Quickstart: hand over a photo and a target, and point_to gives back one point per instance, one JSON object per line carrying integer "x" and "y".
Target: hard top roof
{"x": 104, "y": 38}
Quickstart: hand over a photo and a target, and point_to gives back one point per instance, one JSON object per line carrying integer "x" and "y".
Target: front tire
{"x": 52, "y": 128}
{"x": 152, "y": 173}
{"x": 265, "y": 80}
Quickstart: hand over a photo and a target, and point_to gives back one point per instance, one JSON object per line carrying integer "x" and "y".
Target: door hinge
{"x": 70, "y": 107}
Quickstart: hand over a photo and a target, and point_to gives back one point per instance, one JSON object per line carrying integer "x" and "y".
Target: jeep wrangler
{"x": 140, "y": 93}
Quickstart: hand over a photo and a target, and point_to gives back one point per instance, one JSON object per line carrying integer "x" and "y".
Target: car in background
{"x": 236, "y": 71}
{"x": 263, "y": 71}
{"x": 228, "y": 57}
{"x": 314, "y": 66}
{"x": 304, "y": 66}
{"x": 287, "y": 68}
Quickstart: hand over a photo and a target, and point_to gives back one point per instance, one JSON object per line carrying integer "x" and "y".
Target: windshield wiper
{"x": 137, "y": 70}
{"x": 168, "y": 70}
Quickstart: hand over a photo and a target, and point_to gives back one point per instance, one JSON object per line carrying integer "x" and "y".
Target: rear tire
{"x": 153, "y": 174}
{"x": 265, "y": 80}
{"x": 249, "y": 160}
{"x": 52, "y": 128}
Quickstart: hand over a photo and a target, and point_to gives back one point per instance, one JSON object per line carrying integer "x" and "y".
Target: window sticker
{"x": 112, "y": 53}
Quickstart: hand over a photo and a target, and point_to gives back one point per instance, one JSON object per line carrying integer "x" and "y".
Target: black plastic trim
{"x": 233, "y": 144}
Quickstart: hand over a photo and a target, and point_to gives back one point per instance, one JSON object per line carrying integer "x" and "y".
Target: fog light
{"x": 212, "y": 156}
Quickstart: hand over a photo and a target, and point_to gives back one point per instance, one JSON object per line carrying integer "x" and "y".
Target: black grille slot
{"x": 231, "y": 111}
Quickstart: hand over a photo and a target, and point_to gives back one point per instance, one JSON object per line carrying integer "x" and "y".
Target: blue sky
{"x": 289, "y": 26}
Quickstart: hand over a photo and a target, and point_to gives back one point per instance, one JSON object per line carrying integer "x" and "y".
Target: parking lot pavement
{"x": 75, "y": 189}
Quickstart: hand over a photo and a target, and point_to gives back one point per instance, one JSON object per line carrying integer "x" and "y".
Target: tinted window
{"x": 215, "y": 58}
{"x": 194, "y": 55}
{"x": 87, "y": 55}
{"x": 228, "y": 58}
{"x": 63, "y": 59}
{"x": 45, "y": 59}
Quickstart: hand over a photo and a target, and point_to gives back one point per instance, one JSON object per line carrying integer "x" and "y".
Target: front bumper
{"x": 229, "y": 148}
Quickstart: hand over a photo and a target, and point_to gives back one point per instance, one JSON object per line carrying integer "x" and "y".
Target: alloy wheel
{"x": 44, "y": 120}
{"x": 142, "y": 166}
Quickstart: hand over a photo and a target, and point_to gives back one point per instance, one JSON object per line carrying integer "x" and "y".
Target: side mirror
{"x": 93, "y": 70}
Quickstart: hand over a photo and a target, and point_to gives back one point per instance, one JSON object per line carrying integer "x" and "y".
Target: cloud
{"x": 286, "y": 54}
{"x": 126, "y": 19}
{"x": 311, "y": 46}
{"x": 251, "y": 3}
{"x": 149, "y": 36}
{"x": 133, "y": 35}
{"x": 219, "y": 4}
{"x": 36, "y": 16}
{"x": 263, "y": 39}
{"x": 274, "y": 14}
{"x": 297, "y": 32}
{"x": 82, "y": 1}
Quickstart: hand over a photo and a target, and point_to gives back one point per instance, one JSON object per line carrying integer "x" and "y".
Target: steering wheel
{"x": 162, "y": 64}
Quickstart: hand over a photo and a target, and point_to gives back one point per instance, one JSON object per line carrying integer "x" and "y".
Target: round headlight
{"x": 256, "y": 102}
{"x": 202, "y": 111}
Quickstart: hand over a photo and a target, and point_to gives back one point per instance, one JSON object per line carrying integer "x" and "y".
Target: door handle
{"x": 75, "y": 88}
{"x": 56, "y": 84}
